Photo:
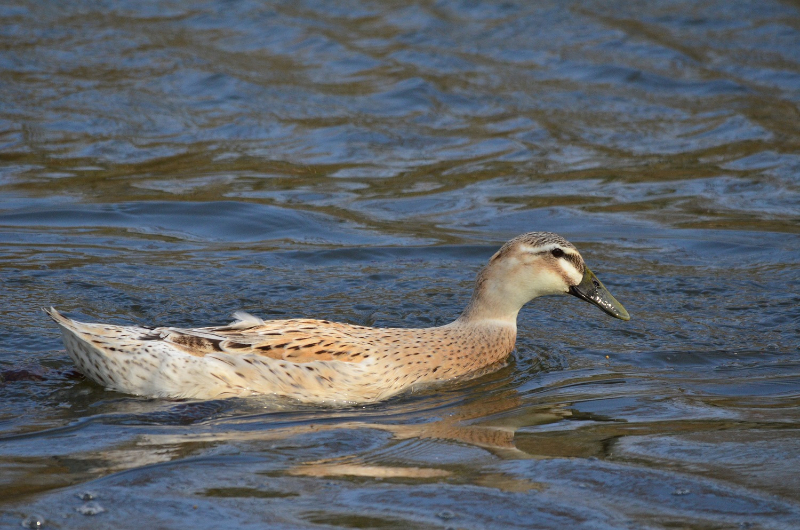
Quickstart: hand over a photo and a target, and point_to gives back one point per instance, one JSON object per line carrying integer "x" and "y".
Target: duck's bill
{"x": 593, "y": 291}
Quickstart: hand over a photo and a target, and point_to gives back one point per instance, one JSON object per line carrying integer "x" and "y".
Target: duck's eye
{"x": 557, "y": 252}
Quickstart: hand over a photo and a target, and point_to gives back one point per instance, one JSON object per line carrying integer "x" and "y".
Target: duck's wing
{"x": 297, "y": 340}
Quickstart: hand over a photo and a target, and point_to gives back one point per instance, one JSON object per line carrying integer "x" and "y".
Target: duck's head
{"x": 536, "y": 264}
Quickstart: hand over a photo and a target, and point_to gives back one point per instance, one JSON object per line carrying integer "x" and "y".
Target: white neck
{"x": 507, "y": 284}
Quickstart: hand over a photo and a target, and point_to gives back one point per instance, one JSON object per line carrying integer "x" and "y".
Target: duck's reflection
{"x": 444, "y": 433}
{"x": 441, "y": 434}
{"x": 487, "y": 423}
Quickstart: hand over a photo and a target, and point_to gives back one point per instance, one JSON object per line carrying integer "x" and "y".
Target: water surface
{"x": 169, "y": 163}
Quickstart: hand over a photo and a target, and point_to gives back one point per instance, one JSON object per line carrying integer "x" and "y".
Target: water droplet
{"x": 33, "y": 521}
{"x": 681, "y": 491}
{"x": 87, "y": 496}
{"x": 90, "y": 508}
{"x": 445, "y": 514}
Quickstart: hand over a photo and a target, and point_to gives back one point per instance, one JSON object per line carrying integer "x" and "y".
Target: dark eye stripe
{"x": 575, "y": 260}
{"x": 572, "y": 258}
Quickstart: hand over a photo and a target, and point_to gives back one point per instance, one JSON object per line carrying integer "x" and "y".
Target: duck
{"x": 328, "y": 363}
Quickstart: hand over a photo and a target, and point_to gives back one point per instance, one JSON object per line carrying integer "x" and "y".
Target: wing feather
{"x": 299, "y": 340}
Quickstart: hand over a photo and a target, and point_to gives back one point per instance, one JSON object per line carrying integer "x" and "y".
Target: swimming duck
{"x": 319, "y": 361}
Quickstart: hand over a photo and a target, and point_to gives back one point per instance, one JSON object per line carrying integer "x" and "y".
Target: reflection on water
{"x": 171, "y": 163}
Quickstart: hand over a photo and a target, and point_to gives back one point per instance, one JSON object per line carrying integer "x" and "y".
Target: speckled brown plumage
{"x": 308, "y": 360}
{"x": 320, "y": 361}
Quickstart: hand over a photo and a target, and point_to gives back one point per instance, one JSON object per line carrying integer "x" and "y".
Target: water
{"x": 173, "y": 162}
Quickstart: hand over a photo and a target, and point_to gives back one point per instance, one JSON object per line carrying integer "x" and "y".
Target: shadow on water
{"x": 172, "y": 163}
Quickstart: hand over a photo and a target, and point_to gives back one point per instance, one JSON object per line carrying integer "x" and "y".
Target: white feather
{"x": 245, "y": 320}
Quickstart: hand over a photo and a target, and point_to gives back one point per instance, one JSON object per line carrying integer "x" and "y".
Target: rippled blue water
{"x": 168, "y": 163}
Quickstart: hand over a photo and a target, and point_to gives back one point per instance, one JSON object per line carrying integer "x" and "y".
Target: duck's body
{"x": 309, "y": 360}
{"x": 318, "y": 361}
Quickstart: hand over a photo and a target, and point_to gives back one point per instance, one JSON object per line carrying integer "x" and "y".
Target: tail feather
{"x": 134, "y": 360}
{"x": 93, "y": 348}
{"x": 59, "y": 319}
